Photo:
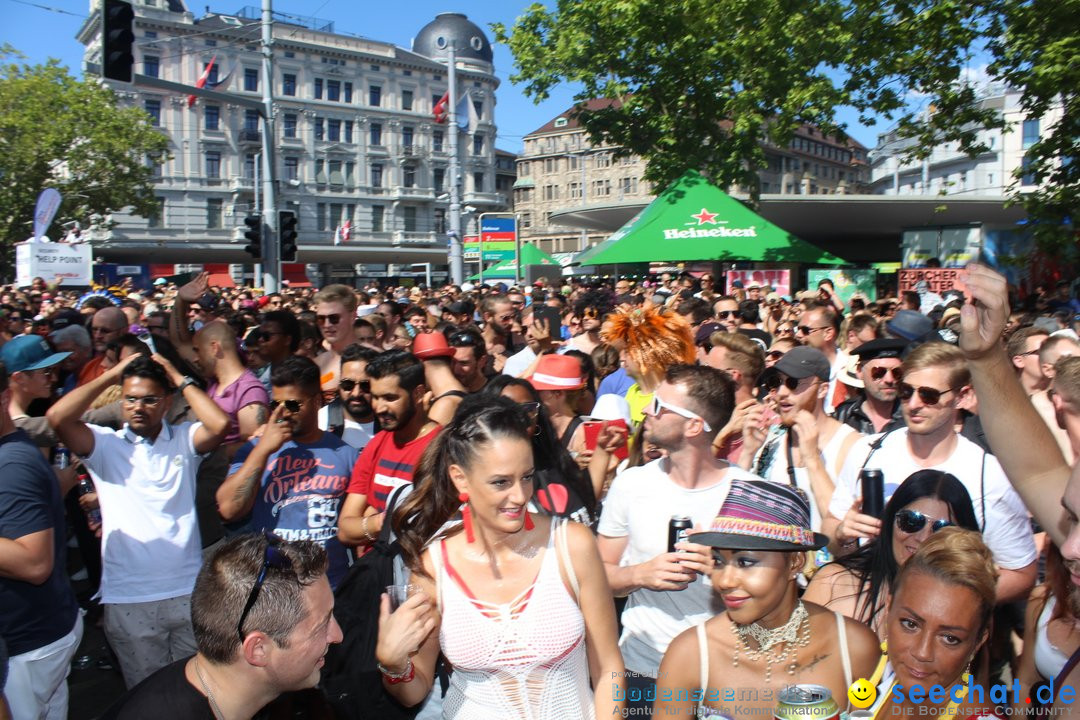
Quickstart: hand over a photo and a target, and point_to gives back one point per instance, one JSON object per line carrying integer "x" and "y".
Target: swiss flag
{"x": 201, "y": 82}
{"x": 439, "y": 111}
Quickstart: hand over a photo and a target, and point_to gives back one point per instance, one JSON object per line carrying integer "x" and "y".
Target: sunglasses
{"x": 774, "y": 354}
{"x": 657, "y": 406}
{"x": 146, "y": 400}
{"x": 333, "y": 319}
{"x": 293, "y": 406}
{"x": 928, "y": 395}
{"x": 591, "y": 313}
{"x": 266, "y": 334}
{"x": 272, "y": 558}
{"x": 807, "y": 330}
{"x": 774, "y": 380}
{"x": 348, "y": 385}
{"x": 879, "y": 372}
{"x": 912, "y": 521}
{"x": 725, "y": 314}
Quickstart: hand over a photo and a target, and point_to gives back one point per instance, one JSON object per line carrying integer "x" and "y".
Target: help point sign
{"x": 53, "y": 262}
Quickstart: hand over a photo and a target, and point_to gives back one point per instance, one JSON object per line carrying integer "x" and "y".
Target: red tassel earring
{"x": 466, "y": 517}
{"x": 528, "y": 521}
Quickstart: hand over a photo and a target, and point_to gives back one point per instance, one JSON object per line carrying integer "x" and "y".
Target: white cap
{"x": 610, "y": 406}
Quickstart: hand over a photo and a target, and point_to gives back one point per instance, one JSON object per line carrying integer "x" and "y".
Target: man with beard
{"x": 537, "y": 340}
{"x": 106, "y": 326}
{"x": 389, "y": 460}
{"x": 145, "y": 474}
{"x": 936, "y": 384}
{"x": 879, "y": 370}
{"x": 292, "y": 478}
{"x": 668, "y": 592}
{"x": 499, "y": 316}
{"x": 807, "y": 448}
{"x": 469, "y": 359}
{"x": 350, "y": 415}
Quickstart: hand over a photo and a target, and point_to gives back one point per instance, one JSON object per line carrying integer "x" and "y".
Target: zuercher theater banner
{"x": 695, "y": 220}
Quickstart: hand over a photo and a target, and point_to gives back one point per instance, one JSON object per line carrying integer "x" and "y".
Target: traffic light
{"x": 287, "y": 233}
{"x": 254, "y": 236}
{"x": 117, "y": 40}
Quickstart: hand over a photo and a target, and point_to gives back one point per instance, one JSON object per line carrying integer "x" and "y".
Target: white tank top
{"x": 523, "y": 659}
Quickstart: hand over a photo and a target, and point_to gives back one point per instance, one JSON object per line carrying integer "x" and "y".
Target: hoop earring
{"x": 466, "y": 517}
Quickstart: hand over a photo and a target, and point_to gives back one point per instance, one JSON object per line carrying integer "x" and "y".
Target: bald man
{"x": 233, "y": 387}
{"x": 106, "y": 326}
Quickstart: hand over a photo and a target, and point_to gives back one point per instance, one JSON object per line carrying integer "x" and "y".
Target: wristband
{"x": 394, "y": 678}
{"x": 188, "y": 380}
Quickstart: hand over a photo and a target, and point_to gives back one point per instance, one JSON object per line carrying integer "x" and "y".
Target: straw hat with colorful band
{"x": 558, "y": 372}
{"x": 762, "y": 515}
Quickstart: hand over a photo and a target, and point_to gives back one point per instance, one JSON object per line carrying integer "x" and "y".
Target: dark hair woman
{"x": 858, "y": 585}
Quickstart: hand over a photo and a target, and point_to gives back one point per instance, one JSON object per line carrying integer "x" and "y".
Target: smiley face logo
{"x": 862, "y": 694}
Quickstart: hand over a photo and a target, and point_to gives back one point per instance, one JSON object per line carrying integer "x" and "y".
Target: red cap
{"x": 431, "y": 345}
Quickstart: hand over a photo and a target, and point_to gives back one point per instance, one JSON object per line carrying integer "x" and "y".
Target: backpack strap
{"x": 564, "y": 556}
{"x": 386, "y": 534}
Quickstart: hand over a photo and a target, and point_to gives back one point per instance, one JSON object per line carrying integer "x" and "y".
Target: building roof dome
{"x": 470, "y": 42}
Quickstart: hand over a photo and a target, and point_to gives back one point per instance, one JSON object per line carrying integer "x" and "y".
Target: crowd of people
{"x": 619, "y": 496}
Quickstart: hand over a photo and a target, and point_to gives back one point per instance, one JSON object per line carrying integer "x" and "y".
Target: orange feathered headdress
{"x": 654, "y": 337}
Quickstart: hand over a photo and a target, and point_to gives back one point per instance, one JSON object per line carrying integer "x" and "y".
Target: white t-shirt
{"x": 519, "y": 362}
{"x": 150, "y": 544}
{"x": 355, "y": 434}
{"x": 639, "y": 507}
{"x": 1007, "y": 530}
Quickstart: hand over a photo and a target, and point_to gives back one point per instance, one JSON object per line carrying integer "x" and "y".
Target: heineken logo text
{"x": 673, "y": 234}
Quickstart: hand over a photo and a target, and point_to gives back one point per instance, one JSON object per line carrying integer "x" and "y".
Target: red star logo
{"x": 705, "y": 217}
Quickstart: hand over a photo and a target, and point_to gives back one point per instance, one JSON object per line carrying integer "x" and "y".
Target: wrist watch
{"x": 188, "y": 380}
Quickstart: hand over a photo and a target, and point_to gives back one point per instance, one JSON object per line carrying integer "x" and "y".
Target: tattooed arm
{"x": 236, "y": 496}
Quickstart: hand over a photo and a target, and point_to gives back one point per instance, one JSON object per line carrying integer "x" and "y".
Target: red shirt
{"x": 384, "y": 466}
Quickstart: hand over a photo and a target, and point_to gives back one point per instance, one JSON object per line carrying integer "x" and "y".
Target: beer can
{"x": 873, "y": 491}
{"x": 61, "y": 457}
{"x": 806, "y": 702}
{"x": 678, "y": 530}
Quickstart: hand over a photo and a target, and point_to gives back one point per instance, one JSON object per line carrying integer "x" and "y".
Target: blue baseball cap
{"x": 29, "y": 352}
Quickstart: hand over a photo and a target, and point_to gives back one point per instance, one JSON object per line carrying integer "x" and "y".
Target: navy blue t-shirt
{"x": 301, "y": 492}
{"x": 32, "y": 616}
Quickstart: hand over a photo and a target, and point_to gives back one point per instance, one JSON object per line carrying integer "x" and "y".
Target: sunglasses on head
{"x": 928, "y": 395}
{"x": 463, "y": 339}
{"x": 912, "y": 521}
{"x": 348, "y": 385}
{"x": 272, "y": 558}
{"x": 332, "y": 319}
{"x": 879, "y": 372}
{"x": 292, "y": 406}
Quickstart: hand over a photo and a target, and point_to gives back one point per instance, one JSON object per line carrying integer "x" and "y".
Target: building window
{"x": 150, "y": 34}
{"x": 320, "y": 172}
{"x": 478, "y": 182}
{"x": 408, "y": 215}
{"x": 408, "y": 176}
{"x": 524, "y": 169}
{"x": 551, "y": 192}
{"x": 406, "y": 99}
{"x": 336, "y": 178}
{"x": 407, "y": 136}
{"x": 212, "y": 76}
{"x": 478, "y": 145}
{"x": 333, "y": 90}
{"x": 440, "y": 221}
{"x": 1027, "y": 177}
{"x": 318, "y": 88}
{"x": 151, "y": 65}
{"x": 249, "y": 166}
{"x": 378, "y": 214}
{"x": 288, "y": 125}
{"x": 213, "y": 164}
{"x": 348, "y": 92}
{"x": 574, "y": 190}
{"x": 376, "y": 175}
{"x": 350, "y": 174}
{"x": 437, "y": 141}
{"x": 288, "y": 84}
{"x": 319, "y": 133}
{"x": 438, "y": 177}
{"x": 375, "y": 96}
{"x": 211, "y": 117}
{"x": 1031, "y": 134}
{"x": 158, "y": 218}
{"x": 526, "y": 221}
{"x": 320, "y": 216}
{"x": 154, "y": 163}
{"x": 478, "y": 106}
{"x": 292, "y": 168}
{"x": 375, "y": 134}
{"x": 601, "y": 188}
{"x": 251, "y": 120}
{"x": 251, "y": 79}
{"x": 603, "y": 160}
{"x": 153, "y": 109}
{"x": 348, "y": 131}
{"x": 572, "y": 162}
{"x": 333, "y": 130}
{"x": 213, "y": 213}
{"x": 628, "y": 185}
{"x": 551, "y": 165}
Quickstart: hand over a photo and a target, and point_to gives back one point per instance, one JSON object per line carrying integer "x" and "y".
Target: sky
{"x": 42, "y": 29}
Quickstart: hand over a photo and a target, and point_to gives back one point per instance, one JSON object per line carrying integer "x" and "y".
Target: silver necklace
{"x": 788, "y": 633}
{"x": 209, "y": 695}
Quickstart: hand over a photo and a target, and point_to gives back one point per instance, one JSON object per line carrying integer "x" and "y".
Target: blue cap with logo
{"x": 29, "y": 352}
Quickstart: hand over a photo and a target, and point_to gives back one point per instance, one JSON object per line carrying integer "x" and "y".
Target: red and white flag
{"x": 346, "y": 231}
{"x": 201, "y": 82}
{"x": 439, "y": 112}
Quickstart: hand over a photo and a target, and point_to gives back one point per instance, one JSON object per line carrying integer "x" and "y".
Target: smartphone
{"x": 550, "y": 317}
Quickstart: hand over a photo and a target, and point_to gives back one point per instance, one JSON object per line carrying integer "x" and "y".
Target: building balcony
{"x": 413, "y": 193}
{"x": 240, "y": 184}
{"x": 410, "y": 151}
{"x": 405, "y": 237}
{"x": 249, "y": 137}
{"x": 484, "y": 198}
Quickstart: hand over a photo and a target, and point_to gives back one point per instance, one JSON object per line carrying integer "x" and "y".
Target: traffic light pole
{"x": 271, "y": 251}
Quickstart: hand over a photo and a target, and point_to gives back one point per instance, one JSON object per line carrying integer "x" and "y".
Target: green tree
{"x": 705, "y": 83}
{"x": 58, "y": 131}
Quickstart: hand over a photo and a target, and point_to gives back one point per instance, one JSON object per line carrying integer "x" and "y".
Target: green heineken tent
{"x": 530, "y": 255}
{"x": 695, "y": 220}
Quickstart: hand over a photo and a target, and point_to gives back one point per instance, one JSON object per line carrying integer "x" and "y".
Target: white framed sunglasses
{"x": 657, "y": 405}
